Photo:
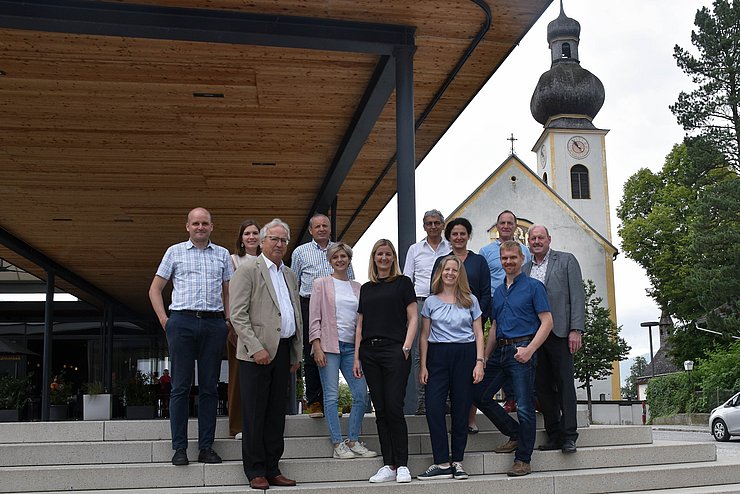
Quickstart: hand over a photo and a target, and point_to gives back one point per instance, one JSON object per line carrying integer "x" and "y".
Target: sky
{"x": 628, "y": 44}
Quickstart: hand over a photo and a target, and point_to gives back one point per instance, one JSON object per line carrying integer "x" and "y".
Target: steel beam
{"x": 377, "y": 93}
{"x": 203, "y": 25}
{"x": 48, "y": 335}
{"x": 406, "y": 151}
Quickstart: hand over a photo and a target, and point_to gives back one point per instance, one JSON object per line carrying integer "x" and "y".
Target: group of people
{"x": 430, "y": 317}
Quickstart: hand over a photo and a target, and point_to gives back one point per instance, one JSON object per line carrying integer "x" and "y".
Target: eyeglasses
{"x": 277, "y": 240}
{"x": 432, "y": 223}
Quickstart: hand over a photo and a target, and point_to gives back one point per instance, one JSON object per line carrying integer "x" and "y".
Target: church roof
{"x": 498, "y": 174}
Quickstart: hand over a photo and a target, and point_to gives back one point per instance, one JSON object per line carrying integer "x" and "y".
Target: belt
{"x": 421, "y": 299}
{"x": 511, "y": 341}
{"x": 378, "y": 341}
{"x": 202, "y": 314}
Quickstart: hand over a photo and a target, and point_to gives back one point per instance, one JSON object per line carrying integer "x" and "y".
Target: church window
{"x": 544, "y": 177}
{"x": 579, "y": 182}
{"x": 566, "y": 50}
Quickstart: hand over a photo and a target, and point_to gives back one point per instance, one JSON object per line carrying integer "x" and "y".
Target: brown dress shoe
{"x": 519, "y": 469}
{"x": 507, "y": 447}
{"x": 281, "y": 480}
{"x": 259, "y": 483}
{"x": 510, "y": 406}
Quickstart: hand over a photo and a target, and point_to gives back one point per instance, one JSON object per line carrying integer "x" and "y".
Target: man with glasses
{"x": 309, "y": 263}
{"x": 418, "y": 266}
{"x": 195, "y": 329}
{"x": 266, "y": 316}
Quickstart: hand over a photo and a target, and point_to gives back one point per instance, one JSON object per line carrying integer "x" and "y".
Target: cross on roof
{"x": 512, "y": 139}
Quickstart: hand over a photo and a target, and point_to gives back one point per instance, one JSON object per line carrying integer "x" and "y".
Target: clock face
{"x": 542, "y": 156}
{"x": 578, "y": 147}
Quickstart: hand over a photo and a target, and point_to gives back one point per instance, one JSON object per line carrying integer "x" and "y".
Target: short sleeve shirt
{"x": 197, "y": 275}
{"x": 516, "y": 308}
{"x": 383, "y": 308}
{"x": 450, "y": 323}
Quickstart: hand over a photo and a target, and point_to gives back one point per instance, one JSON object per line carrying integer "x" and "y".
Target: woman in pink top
{"x": 333, "y": 318}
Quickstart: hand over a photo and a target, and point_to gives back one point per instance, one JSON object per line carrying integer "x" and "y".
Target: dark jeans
{"x": 386, "y": 371}
{"x": 263, "y": 390}
{"x": 502, "y": 367}
{"x": 189, "y": 339}
{"x": 556, "y": 390}
{"x": 450, "y": 367}
{"x": 314, "y": 391}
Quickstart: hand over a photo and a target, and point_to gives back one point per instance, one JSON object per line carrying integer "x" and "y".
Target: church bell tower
{"x": 571, "y": 155}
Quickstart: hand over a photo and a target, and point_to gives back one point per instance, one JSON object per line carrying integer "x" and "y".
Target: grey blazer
{"x": 564, "y": 284}
{"x": 255, "y": 311}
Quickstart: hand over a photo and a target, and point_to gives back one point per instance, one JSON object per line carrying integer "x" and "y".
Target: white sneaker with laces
{"x": 360, "y": 450}
{"x": 403, "y": 475}
{"x": 385, "y": 474}
{"x": 342, "y": 452}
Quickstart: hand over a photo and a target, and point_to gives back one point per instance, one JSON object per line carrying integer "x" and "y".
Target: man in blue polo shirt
{"x": 521, "y": 323}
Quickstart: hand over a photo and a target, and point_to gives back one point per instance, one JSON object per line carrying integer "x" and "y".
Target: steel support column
{"x": 48, "y": 330}
{"x": 406, "y": 150}
{"x": 107, "y": 348}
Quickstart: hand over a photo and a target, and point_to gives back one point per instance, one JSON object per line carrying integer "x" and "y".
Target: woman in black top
{"x": 386, "y": 326}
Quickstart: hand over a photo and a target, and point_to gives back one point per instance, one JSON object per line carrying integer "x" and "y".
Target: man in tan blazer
{"x": 265, "y": 313}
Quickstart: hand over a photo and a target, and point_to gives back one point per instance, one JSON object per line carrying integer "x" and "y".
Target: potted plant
{"x": 96, "y": 402}
{"x": 15, "y": 392}
{"x": 139, "y": 396}
{"x": 60, "y": 396}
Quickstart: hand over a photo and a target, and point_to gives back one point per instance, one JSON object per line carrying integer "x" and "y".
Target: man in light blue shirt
{"x": 506, "y": 224}
{"x": 196, "y": 329}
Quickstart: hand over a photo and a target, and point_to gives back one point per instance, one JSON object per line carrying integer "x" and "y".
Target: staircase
{"x": 134, "y": 457}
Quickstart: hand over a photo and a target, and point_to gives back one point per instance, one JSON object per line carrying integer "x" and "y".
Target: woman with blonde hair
{"x": 332, "y": 326}
{"x": 452, "y": 360}
{"x": 386, "y": 326}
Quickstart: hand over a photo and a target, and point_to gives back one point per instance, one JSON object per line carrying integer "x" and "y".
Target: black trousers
{"x": 386, "y": 371}
{"x": 556, "y": 390}
{"x": 314, "y": 391}
{"x": 263, "y": 412}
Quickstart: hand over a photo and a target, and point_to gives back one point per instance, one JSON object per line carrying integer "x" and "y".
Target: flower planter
{"x": 96, "y": 407}
{"x": 141, "y": 412}
{"x": 11, "y": 415}
{"x": 58, "y": 412}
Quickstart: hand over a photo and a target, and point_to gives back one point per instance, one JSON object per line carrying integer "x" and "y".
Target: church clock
{"x": 578, "y": 147}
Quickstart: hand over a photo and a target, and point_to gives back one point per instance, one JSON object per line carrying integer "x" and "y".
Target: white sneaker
{"x": 360, "y": 450}
{"x": 238, "y": 436}
{"x": 343, "y": 452}
{"x": 403, "y": 475}
{"x": 385, "y": 474}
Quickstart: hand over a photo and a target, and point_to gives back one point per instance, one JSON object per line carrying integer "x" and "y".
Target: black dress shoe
{"x": 550, "y": 446}
{"x": 180, "y": 457}
{"x": 569, "y": 446}
{"x": 208, "y": 456}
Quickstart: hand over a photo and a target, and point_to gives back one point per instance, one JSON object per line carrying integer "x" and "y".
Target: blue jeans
{"x": 500, "y": 368}
{"x": 330, "y": 383}
{"x": 189, "y": 339}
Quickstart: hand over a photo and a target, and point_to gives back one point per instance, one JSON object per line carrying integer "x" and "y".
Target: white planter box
{"x": 96, "y": 407}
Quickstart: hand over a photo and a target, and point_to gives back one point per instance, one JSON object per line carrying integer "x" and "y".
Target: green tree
{"x": 711, "y": 110}
{"x": 637, "y": 369}
{"x": 602, "y": 345}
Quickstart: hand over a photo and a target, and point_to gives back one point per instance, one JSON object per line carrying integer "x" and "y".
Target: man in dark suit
{"x": 561, "y": 274}
{"x": 266, "y": 315}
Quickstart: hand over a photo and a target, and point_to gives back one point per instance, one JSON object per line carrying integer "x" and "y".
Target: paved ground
{"x": 696, "y": 434}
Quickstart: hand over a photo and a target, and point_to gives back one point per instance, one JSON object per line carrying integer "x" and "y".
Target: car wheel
{"x": 719, "y": 430}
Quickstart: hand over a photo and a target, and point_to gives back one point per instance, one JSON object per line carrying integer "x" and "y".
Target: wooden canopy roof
{"x": 118, "y": 118}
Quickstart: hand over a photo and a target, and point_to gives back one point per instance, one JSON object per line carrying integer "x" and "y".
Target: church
{"x": 567, "y": 189}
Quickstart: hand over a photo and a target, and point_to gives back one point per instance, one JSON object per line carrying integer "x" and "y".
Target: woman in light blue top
{"x": 452, "y": 360}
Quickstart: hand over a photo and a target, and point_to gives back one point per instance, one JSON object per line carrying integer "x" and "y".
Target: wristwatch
{"x": 480, "y": 360}
{"x": 406, "y": 349}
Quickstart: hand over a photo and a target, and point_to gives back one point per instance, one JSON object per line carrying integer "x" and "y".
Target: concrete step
{"x": 699, "y": 478}
{"x": 308, "y": 470}
{"x": 159, "y": 429}
{"x": 100, "y": 452}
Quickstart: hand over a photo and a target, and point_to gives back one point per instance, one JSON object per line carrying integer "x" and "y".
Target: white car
{"x": 724, "y": 421}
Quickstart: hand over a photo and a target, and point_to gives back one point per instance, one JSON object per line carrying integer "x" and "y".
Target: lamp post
{"x": 688, "y": 366}
{"x": 650, "y": 325}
